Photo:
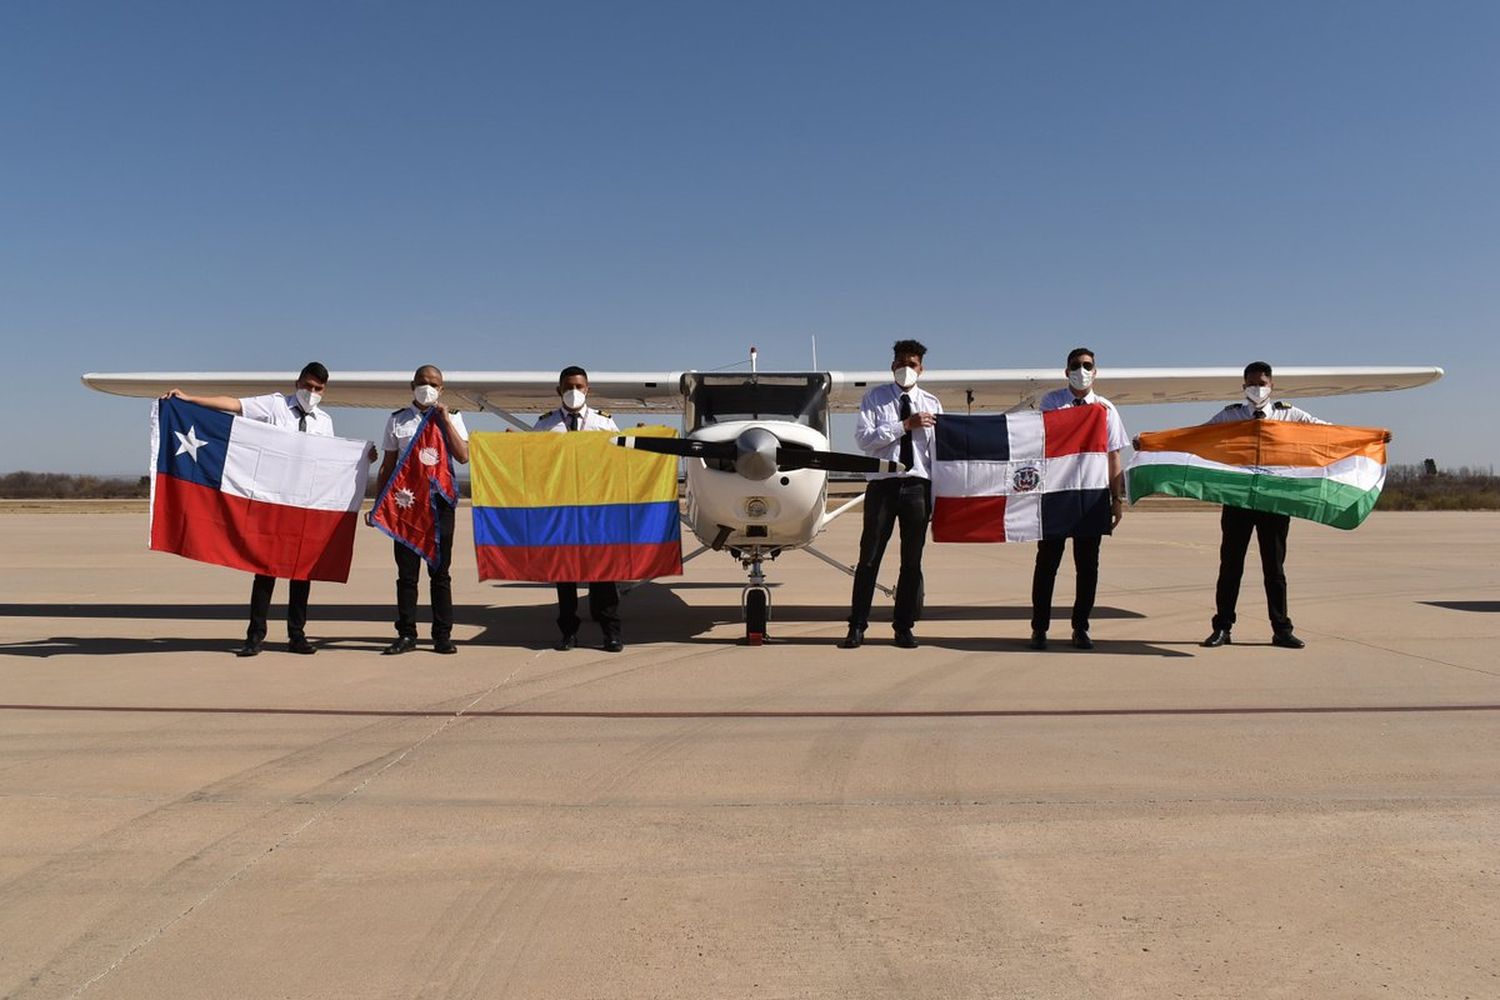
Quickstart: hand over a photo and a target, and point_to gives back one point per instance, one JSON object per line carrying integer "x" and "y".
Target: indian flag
{"x": 1321, "y": 472}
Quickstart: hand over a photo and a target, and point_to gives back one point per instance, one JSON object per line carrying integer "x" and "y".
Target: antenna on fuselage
{"x": 754, "y": 354}
{"x": 815, "y": 352}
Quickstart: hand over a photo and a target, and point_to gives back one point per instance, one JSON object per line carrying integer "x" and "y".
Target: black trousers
{"x": 907, "y": 499}
{"x": 1270, "y": 530}
{"x": 260, "y": 606}
{"x": 1049, "y": 553}
{"x": 408, "y": 574}
{"x": 604, "y": 607}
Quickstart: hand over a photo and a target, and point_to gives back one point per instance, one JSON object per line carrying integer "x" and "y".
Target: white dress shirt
{"x": 878, "y": 429}
{"x": 589, "y": 419}
{"x": 1272, "y": 411}
{"x": 1061, "y": 399}
{"x": 401, "y": 426}
{"x": 277, "y": 409}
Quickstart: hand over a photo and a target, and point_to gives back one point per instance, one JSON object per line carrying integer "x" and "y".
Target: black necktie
{"x": 1260, "y": 414}
{"x": 301, "y": 419}
{"x": 1077, "y": 401}
{"x": 572, "y": 421}
{"x": 908, "y": 456}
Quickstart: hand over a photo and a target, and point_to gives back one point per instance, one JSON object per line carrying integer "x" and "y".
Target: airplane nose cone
{"x": 757, "y": 453}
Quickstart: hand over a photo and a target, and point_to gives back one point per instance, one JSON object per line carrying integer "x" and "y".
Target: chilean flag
{"x": 1021, "y": 477}
{"x": 245, "y": 494}
{"x": 407, "y": 508}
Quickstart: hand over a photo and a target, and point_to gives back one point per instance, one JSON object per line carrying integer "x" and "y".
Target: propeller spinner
{"x": 758, "y": 454}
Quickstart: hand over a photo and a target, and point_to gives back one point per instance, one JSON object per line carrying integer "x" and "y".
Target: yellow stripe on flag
{"x": 577, "y": 468}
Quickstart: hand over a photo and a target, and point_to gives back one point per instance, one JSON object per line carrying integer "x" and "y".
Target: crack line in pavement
{"x": 150, "y": 938}
{"x": 809, "y": 713}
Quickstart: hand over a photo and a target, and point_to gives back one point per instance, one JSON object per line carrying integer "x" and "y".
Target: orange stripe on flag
{"x": 1270, "y": 442}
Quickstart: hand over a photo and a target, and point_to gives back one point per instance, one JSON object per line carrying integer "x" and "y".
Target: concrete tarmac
{"x": 694, "y": 818}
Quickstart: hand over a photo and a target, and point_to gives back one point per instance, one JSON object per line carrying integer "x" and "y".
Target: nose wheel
{"x": 756, "y": 602}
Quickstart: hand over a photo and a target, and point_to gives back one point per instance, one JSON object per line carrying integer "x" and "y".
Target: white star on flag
{"x": 189, "y": 442}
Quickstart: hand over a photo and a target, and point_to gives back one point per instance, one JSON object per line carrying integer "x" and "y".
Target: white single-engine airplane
{"x": 756, "y": 444}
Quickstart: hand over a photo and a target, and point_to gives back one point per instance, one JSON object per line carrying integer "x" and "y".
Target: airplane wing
{"x": 517, "y": 392}
{"x": 661, "y": 392}
{"x": 1018, "y": 388}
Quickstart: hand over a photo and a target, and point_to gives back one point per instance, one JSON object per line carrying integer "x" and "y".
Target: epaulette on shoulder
{"x": 1232, "y": 406}
{"x": 394, "y": 412}
{"x": 1281, "y": 405}
{"x": 605, "y": 413}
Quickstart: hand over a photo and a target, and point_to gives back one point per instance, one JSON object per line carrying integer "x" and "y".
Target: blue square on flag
{"x": 193, "y": 442}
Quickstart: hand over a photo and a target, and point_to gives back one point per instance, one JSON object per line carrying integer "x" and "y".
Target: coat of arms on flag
{"x": 241, "y": 493}
{"x": 573, "y": 508}
{"x": 1021, "y": 477}
{"x": 407, "y": 507}
{"x": 1320, "y": 472}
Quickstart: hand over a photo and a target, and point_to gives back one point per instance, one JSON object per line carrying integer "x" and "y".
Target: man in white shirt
{"x": 895, "y": 423}
{"x": 298, "y": 411}
{"x": 604, "y": 595}
{"x": 1079, "y": 391}
{"x": 1237, "y": 523}
{"x": 400, "y": 428}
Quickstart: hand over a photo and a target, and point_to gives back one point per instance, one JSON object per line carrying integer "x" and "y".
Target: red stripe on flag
{"x": 291, "y": 543}
{"x": 1073, "y": 430}
{"x": 578, "y": 563}
{"x": 968, "y": 519}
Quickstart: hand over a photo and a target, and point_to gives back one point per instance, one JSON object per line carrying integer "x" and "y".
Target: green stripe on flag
{"x": 1322, "y": 500}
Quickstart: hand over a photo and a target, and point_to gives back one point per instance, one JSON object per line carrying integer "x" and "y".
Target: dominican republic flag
{"x": 1021, "y": 477}
{"x": 407, "y": 508}
{"x": 245, "y": 494}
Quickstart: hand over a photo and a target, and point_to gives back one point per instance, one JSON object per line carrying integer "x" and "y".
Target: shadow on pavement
{"x": 652, "y": 613}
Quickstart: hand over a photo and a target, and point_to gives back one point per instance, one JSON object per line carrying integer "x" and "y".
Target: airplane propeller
{"x": 759, "y": 454}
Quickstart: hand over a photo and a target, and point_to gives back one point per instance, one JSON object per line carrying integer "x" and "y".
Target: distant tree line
{"x": 1424, "y": 487}
{"x": 1407, "y": 487}
{"x": 61, "y": 486}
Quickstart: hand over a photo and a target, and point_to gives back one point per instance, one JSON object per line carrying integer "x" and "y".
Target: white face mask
{"x": 1080, "y": 378}
{"x": 426, "y": 395}
{"x": 1257, "y": 395}
{"x": 308, "y": 400}
{"x": 573, "y": 399}
{"x": 906, "y": 377}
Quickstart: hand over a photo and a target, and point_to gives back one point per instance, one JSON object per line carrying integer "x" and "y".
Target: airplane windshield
{"x": 720, "y": 398}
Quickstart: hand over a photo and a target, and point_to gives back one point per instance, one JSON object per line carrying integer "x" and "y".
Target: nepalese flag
{"x": 245, "y": 494}
{"x": 573, "y": 507}
{"x": 1320, "y": 472}
{"x": 407, "y": 508}
{"x": 1021, "y": 477}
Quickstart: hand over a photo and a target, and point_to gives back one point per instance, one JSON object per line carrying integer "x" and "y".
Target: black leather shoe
{"x": 905, "y": 639}
{"x": 403, "y": 644}
{"x": 1218, "y": 637}
{"x": 612, "y": 645}
{"x": 1081, "y": 639}
{"x": 566, "y": 643}
{"x": 248, "y": 649}
{"x": 302, "y": 647}
{"x": 1287, "y": 640}
{"x": 1038, "y": 640}
{"x": 444, "y": 646}
{"x": 854, "y": 639}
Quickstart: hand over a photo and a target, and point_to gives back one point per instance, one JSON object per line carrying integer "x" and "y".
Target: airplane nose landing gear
{"x": 755, "y": 600}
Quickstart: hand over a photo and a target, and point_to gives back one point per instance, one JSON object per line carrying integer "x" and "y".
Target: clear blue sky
{"x": 651, "y": 185}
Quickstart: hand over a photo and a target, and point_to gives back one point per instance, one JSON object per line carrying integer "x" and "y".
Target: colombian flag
{"x": 573, "y": 507}
{"x": 1320, "y": 472}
